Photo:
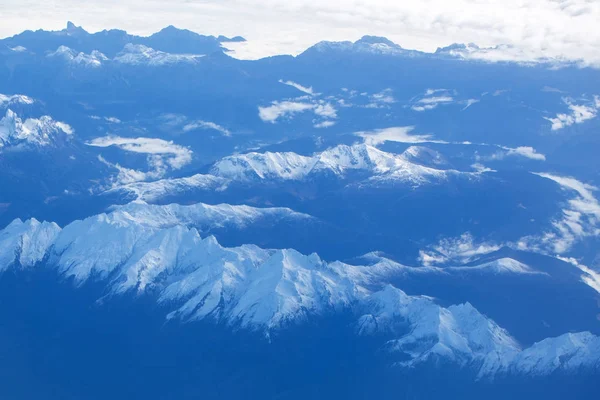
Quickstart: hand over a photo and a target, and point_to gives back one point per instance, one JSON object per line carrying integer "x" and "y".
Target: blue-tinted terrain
{"x": 358, "y": 221}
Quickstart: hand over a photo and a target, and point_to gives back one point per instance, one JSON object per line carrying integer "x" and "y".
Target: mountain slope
{"x": 267, "y": 290}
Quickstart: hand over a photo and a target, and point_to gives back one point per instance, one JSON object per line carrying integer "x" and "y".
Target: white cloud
{"x": 436, "y": 100}
{"x": 282, "y": 109}
{"x": 577, "y": 115}
{"x": 589, "y": 277}
{"x": 480, "y": 168}
{"x": 580, "y": 219}
{"x": 199, "y": 124}
{"x": 112, "y": 120}
{"x": 527, "y": 152}
{"x": 304, "y": 89}
{"x": 383, "y": 97}
{"x": 469, "y": 102}
{"x": 424, "y": 108}
{"x": 457, "y": 250}
{"x": 431, "y": 99}
{"x": 521, "y": 151}
{"x": 430, "y": 92}
{"x": 128, "y": 175}
{"x": 399, "y": 134}
{"x": 161, "y": 152}
{"x": 325, "y": 110}
{"x": 537, "y": 28}
{"x": 324, "y": 124}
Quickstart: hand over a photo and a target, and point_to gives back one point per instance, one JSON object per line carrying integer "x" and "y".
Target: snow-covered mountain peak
{"x": 26, "y": 243}
{"x": 337, "y": 160}
{"x": 94, "y": 60}
{"x": 200, "y": 215}
{"x": 263, "y": 166}
{"x": 428, "y": 331}
{"x": 570, "y": 352}
{"x": 16, "y": 99}
{"x": 15, "y": 132}
{"x": 424, "y": 156}
{"x": 356, "y": 157}
{"x": 253, "y": 288}
{"x": 367, "y": 44}
{"x": 137, "y": 54}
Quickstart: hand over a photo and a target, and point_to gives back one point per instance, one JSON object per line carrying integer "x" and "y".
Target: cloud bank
{"x": 534, "y": 28}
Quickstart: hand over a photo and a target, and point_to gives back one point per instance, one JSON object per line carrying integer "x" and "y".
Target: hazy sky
{"x": 564, "y": 28}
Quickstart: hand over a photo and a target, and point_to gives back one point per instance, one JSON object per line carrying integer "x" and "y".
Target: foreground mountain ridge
{"x": 268, "y": 290}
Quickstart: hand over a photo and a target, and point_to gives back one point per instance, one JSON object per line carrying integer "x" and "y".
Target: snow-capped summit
{"x": 570, "y": 352}
{"x": 339, "y": 160}
{"x": 425, "y": 156}
{"x": 250, "y": 166}
{"x": 457, "y": 334}
{"x": 426, "y": 332}
{"x": 137, "y": 54}
{"x": 252, "y": 288}
{"x": 26, "y": 242}
{"x": 16, "y": 133}
{"x": 366, "y": 44}
{"x": 200, "y": 216}
{"x": 94, "y": 60}
{"x": 16, "y": 99}
{"x": 157, "y": 190}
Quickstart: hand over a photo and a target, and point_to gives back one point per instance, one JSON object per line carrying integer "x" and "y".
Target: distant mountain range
{"x": 111, "y": 42}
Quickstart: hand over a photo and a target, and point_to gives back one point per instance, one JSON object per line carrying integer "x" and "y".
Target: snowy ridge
{"x": 9, "y": 100}
{"x": 26, "y": 243}
{"x": 424, "y": 156}
{"x": 500, "y": 266}
{"x": 137, "y": 54}
{"x": 40, "y": 132}
{"x": 93, "y": 60}
{"x": 200, "y": 216}
{"x": 386, "y": 267}
{"x": 374, "y": 166}
{"x": 132, "y": 54}
{"x": 459, "y": 334}
{"x": 143, "y": 249}
{"x": 155, "y": 190}
{"x": 338, "y": 160}
{"x": 367, "y": 44}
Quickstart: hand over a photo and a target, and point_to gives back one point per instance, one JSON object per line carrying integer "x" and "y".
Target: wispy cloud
{"x": 536, "y": 28}
{"x": 112, "y": 120}
{"x": 457, "y": 250}
{"x": 578, "y": 113}
{"x": 431, "y": 99}
{"x": 161, "y": 153}
{"x": 287, "y": 109}
{"x": 281, "y": 110}
{"x": 205, "y": 125}
{"x": 324, "y": 124}
{"x": 401, "y": 134}
{"x": 304, "y": 89}
{"x": 521, "y": 151}
{"x": 525, "y": 151}
{"x": 580, "y": 218}
{"x": 381, "y": 99}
